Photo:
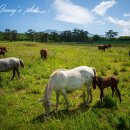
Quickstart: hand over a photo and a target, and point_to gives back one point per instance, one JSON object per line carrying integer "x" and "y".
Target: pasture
{"x": 19, "y": 106}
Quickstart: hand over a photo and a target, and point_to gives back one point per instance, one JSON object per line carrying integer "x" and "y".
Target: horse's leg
{"x": 13, "y": 73}
{"x": 89, "y": 92}
{"x": 57, "y": 99}
{"x": 3, "y": 54}
{"x": 17, "y": 70}
{"x": 65, "y": 97}
{"x": 118, "y": 93}
{"x": 91, "y": 98}
{"x": 101, "y": 95}
{"x": 112, "y": 88}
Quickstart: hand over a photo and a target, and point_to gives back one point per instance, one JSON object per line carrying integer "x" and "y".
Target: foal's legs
{"x": 112, "y": 88}
{"x": 57, "y": 99}
{"x": 3, "y": 54}
{"x": 118, "y": 93}
{"x": 13, "y": 73}
{"x": 101, "y": 95}
{"x": 65, "y": 97}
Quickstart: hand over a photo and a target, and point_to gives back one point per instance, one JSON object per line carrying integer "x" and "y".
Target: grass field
{"x": 19, "y": 106}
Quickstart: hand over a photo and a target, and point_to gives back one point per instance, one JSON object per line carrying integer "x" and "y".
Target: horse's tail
{"x": 94, "y": 71}
{"x": 21, "y": 63}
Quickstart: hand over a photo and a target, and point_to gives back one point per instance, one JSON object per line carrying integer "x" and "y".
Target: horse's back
{"x": 73, "y": 78}
{"x": 8, "y": 63}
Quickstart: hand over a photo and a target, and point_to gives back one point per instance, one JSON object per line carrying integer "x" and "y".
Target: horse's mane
{"x": 94, "y": 70}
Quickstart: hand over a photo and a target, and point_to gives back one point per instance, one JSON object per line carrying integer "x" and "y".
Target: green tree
{"x": 54, "y": 37}
{"x": 30, "y": 34}
{"x": 7, "y": 34}
{"x": 41, "y": 37}
{"x": 13, "y": 35}
{"x": 96, "y": 38}
{"x": 111, "y": 34}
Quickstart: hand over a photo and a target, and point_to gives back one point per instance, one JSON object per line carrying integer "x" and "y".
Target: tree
{"x": 66, "y": 36}
{"x": 111, "y": 34}
{"x": 7, "y": 34}
{"x": 79, "y": 35}
{"x": 30, "y": 34}
{"x": 54, "y": 36}
{"x": 41, "y": 37}
{"x": 13, "y": 35}
{"x": 96, "y": 38}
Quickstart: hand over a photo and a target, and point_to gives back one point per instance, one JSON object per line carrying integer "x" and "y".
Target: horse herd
{"x": 64, "y": 80}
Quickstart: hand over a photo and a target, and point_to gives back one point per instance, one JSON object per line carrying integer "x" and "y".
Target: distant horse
{"x": 129, "y": 53}
{"x": 2, "y": 52}
{"x": 68, "y": 80}
{"x": 43, "y": 53}
{"x": 3, "y": 48}
{"x": 11, "y": 63}
{"x": 105, "y": 83}
{"x": 102, "y": 47}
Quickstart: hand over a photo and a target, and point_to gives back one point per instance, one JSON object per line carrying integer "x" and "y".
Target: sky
{"x": 94, "y": 16}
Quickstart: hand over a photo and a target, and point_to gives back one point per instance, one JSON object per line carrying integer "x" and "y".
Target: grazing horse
{"x": 43, "y": 53}
{"x": 3, "y": 48}
{"x": 105, "y": 83}
{"x": 2, "y": 52}
{"x": 11, "y": 63}
{"x": 102, "y": 47}
{"x": 68, "y": 80}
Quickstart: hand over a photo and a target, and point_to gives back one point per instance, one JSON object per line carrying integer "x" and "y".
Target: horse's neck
{"x": 48, "y": 92}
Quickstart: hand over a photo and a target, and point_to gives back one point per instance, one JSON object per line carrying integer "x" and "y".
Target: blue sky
{"x": 94, "y": 16}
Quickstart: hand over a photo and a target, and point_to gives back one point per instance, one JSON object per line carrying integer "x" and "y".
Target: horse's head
{"x": 5, "y": 49}
{"x": 46, "y": 105}
{"x": 109, "y": 45}
{"x": 46, "y": 101}
{"x": 94, "y": 82}
{"x": 99, "y": 80}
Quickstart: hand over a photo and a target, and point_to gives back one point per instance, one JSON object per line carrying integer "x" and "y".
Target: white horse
{"x": 11, "y": 63}
{"x": 68, "y": 80}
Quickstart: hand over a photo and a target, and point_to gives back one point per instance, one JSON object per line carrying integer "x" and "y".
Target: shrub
{"x": 124, "y": 69}
{"x": 116, "y": 71}
{"x": 108, "y": 102}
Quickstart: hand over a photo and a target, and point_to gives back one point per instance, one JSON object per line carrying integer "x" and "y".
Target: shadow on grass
{"x": 108, "y": 102}
{"x": 61, "y": 114}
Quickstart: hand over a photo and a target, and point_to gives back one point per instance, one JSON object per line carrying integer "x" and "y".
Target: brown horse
{"x": 4, "y": 49}
{"x": 2, "y": 52}
{"x": 129, "y": 53}
{"x": 102, "y": 47}
{"x": 43, "y": 53}
{"x": 105, "y": 83}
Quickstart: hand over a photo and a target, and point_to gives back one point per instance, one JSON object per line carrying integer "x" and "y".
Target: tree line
{"x": 76, "y": 35}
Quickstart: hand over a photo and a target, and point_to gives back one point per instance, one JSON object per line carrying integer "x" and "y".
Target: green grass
{"x": 19, "y": 106}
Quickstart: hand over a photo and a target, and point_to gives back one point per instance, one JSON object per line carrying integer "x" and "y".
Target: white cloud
{"x": 123, "y": 24}
{"x": 72, "y": 13}
{"x": 126, "y": 32}
{"x": 119, "y": 22}
{"x": 103, "y": 7}
{"x": 127, "y": 15}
